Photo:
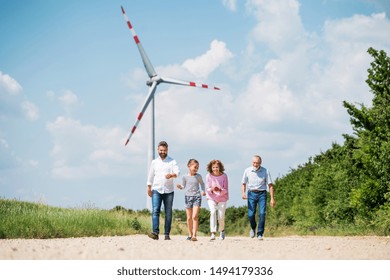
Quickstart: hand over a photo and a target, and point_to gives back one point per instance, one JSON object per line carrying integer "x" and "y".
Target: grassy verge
{"x": 20, "y": 219}
{"x": 33, "y": 220}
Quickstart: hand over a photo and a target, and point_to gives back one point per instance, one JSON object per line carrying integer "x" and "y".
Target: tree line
{"x": 348, "y": 185}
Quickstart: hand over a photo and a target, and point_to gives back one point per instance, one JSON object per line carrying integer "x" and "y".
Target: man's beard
{"x": 163, "y": 155}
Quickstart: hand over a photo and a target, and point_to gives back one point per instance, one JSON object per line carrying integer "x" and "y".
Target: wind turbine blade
{"x": 184, "y": 83}
{"x": 145, "y": 59}
{"x": 140, "y": 115}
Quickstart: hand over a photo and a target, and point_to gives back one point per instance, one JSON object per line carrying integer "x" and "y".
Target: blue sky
{"x": 72, "y": 84}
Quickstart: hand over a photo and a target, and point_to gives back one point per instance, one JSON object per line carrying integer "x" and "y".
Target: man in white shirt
{"x": 160, "y": 183}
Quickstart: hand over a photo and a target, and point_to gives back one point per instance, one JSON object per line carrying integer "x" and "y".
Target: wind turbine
{"x": 154, "y": 80}
{"x": 152, "y": 83}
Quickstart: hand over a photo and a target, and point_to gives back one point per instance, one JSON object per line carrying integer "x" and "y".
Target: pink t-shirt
{"x": 222, "y": 182}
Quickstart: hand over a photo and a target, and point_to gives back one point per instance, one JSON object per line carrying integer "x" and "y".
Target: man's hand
{"x": 170, "y": 175}
{"x": 243, "y": 191}
{"x": 150, "y": 191}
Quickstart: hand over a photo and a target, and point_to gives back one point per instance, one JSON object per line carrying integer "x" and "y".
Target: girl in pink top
{"x": 217, "y": 192}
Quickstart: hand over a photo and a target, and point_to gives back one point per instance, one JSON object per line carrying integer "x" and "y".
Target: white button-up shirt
{"x": 158, "y": 169}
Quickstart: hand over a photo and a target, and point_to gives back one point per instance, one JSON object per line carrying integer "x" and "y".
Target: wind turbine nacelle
{"x": 153, "y": 79}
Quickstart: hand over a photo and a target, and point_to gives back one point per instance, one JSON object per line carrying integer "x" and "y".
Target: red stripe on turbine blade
{"x": 129, "y": 25}
{"x": 140, "y": 116}
{"x": 134, "y": 128}
{"x": 136, "y": 39}
{"x": 205, "y": 86}
{"x": 123, "y": 11}
{"x": 192, "y": 84}
{"x": 127, "y": 141}
{"x": 216, "y": 88}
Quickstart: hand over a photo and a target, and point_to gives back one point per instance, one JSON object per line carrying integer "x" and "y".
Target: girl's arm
{"x": 201, "y": 183}
{"x": 209, "y": 188}
{"x": 183, "y": 185}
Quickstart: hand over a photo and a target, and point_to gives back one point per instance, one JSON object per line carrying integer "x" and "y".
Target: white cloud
{"x": 30, "y": 110}
{"x": 361, "y": 29}
{"x": 87, "y": 151}
{"x": 69, "y": 99}
{"x": 194, "y": 115}
{"x": 343, "y": 75}
{"x": 317, "y": 83}
{"x": 266, "y": 100}
{"x": 230, "y": 4}
{"x": 134, "y": 79}
{"x": 13, "y": 104}
{"x": 279, "y": 24}
{"x": 205, "y": 64}
{"x": 4, "y": 144}
{"x": 9, "y": 84}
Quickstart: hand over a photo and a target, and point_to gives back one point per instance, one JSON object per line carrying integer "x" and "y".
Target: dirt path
{"x": 140, "y": 247}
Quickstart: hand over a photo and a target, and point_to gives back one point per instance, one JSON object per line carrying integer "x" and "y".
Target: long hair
{"x": 215, "y": 161}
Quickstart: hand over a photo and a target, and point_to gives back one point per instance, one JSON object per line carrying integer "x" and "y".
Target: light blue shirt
{"x": 256, "y": 179}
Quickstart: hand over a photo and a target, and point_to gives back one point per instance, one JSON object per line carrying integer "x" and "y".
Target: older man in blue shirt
{"x": 256, "y": 179}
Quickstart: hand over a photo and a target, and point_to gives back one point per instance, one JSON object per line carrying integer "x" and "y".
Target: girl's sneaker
{"x": 212, "y": 236}
{"x": 222, "y": 235}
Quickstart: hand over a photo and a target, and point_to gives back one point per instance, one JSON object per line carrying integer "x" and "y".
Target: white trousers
{"x": 217, "y": 208}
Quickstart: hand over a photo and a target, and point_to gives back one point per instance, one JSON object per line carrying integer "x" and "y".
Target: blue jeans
{"x": 157, "y": 200}
{"x": 255, "y": 199}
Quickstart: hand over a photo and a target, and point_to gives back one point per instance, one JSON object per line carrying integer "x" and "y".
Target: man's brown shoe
{"x": 153, "y": 235}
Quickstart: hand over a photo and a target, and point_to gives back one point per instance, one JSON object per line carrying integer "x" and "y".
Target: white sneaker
{"x": 222, "y": 235}
{"x": 252, "y": 233}
{"x": 212, "y": 236}
{"x": 260, "y": 237}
